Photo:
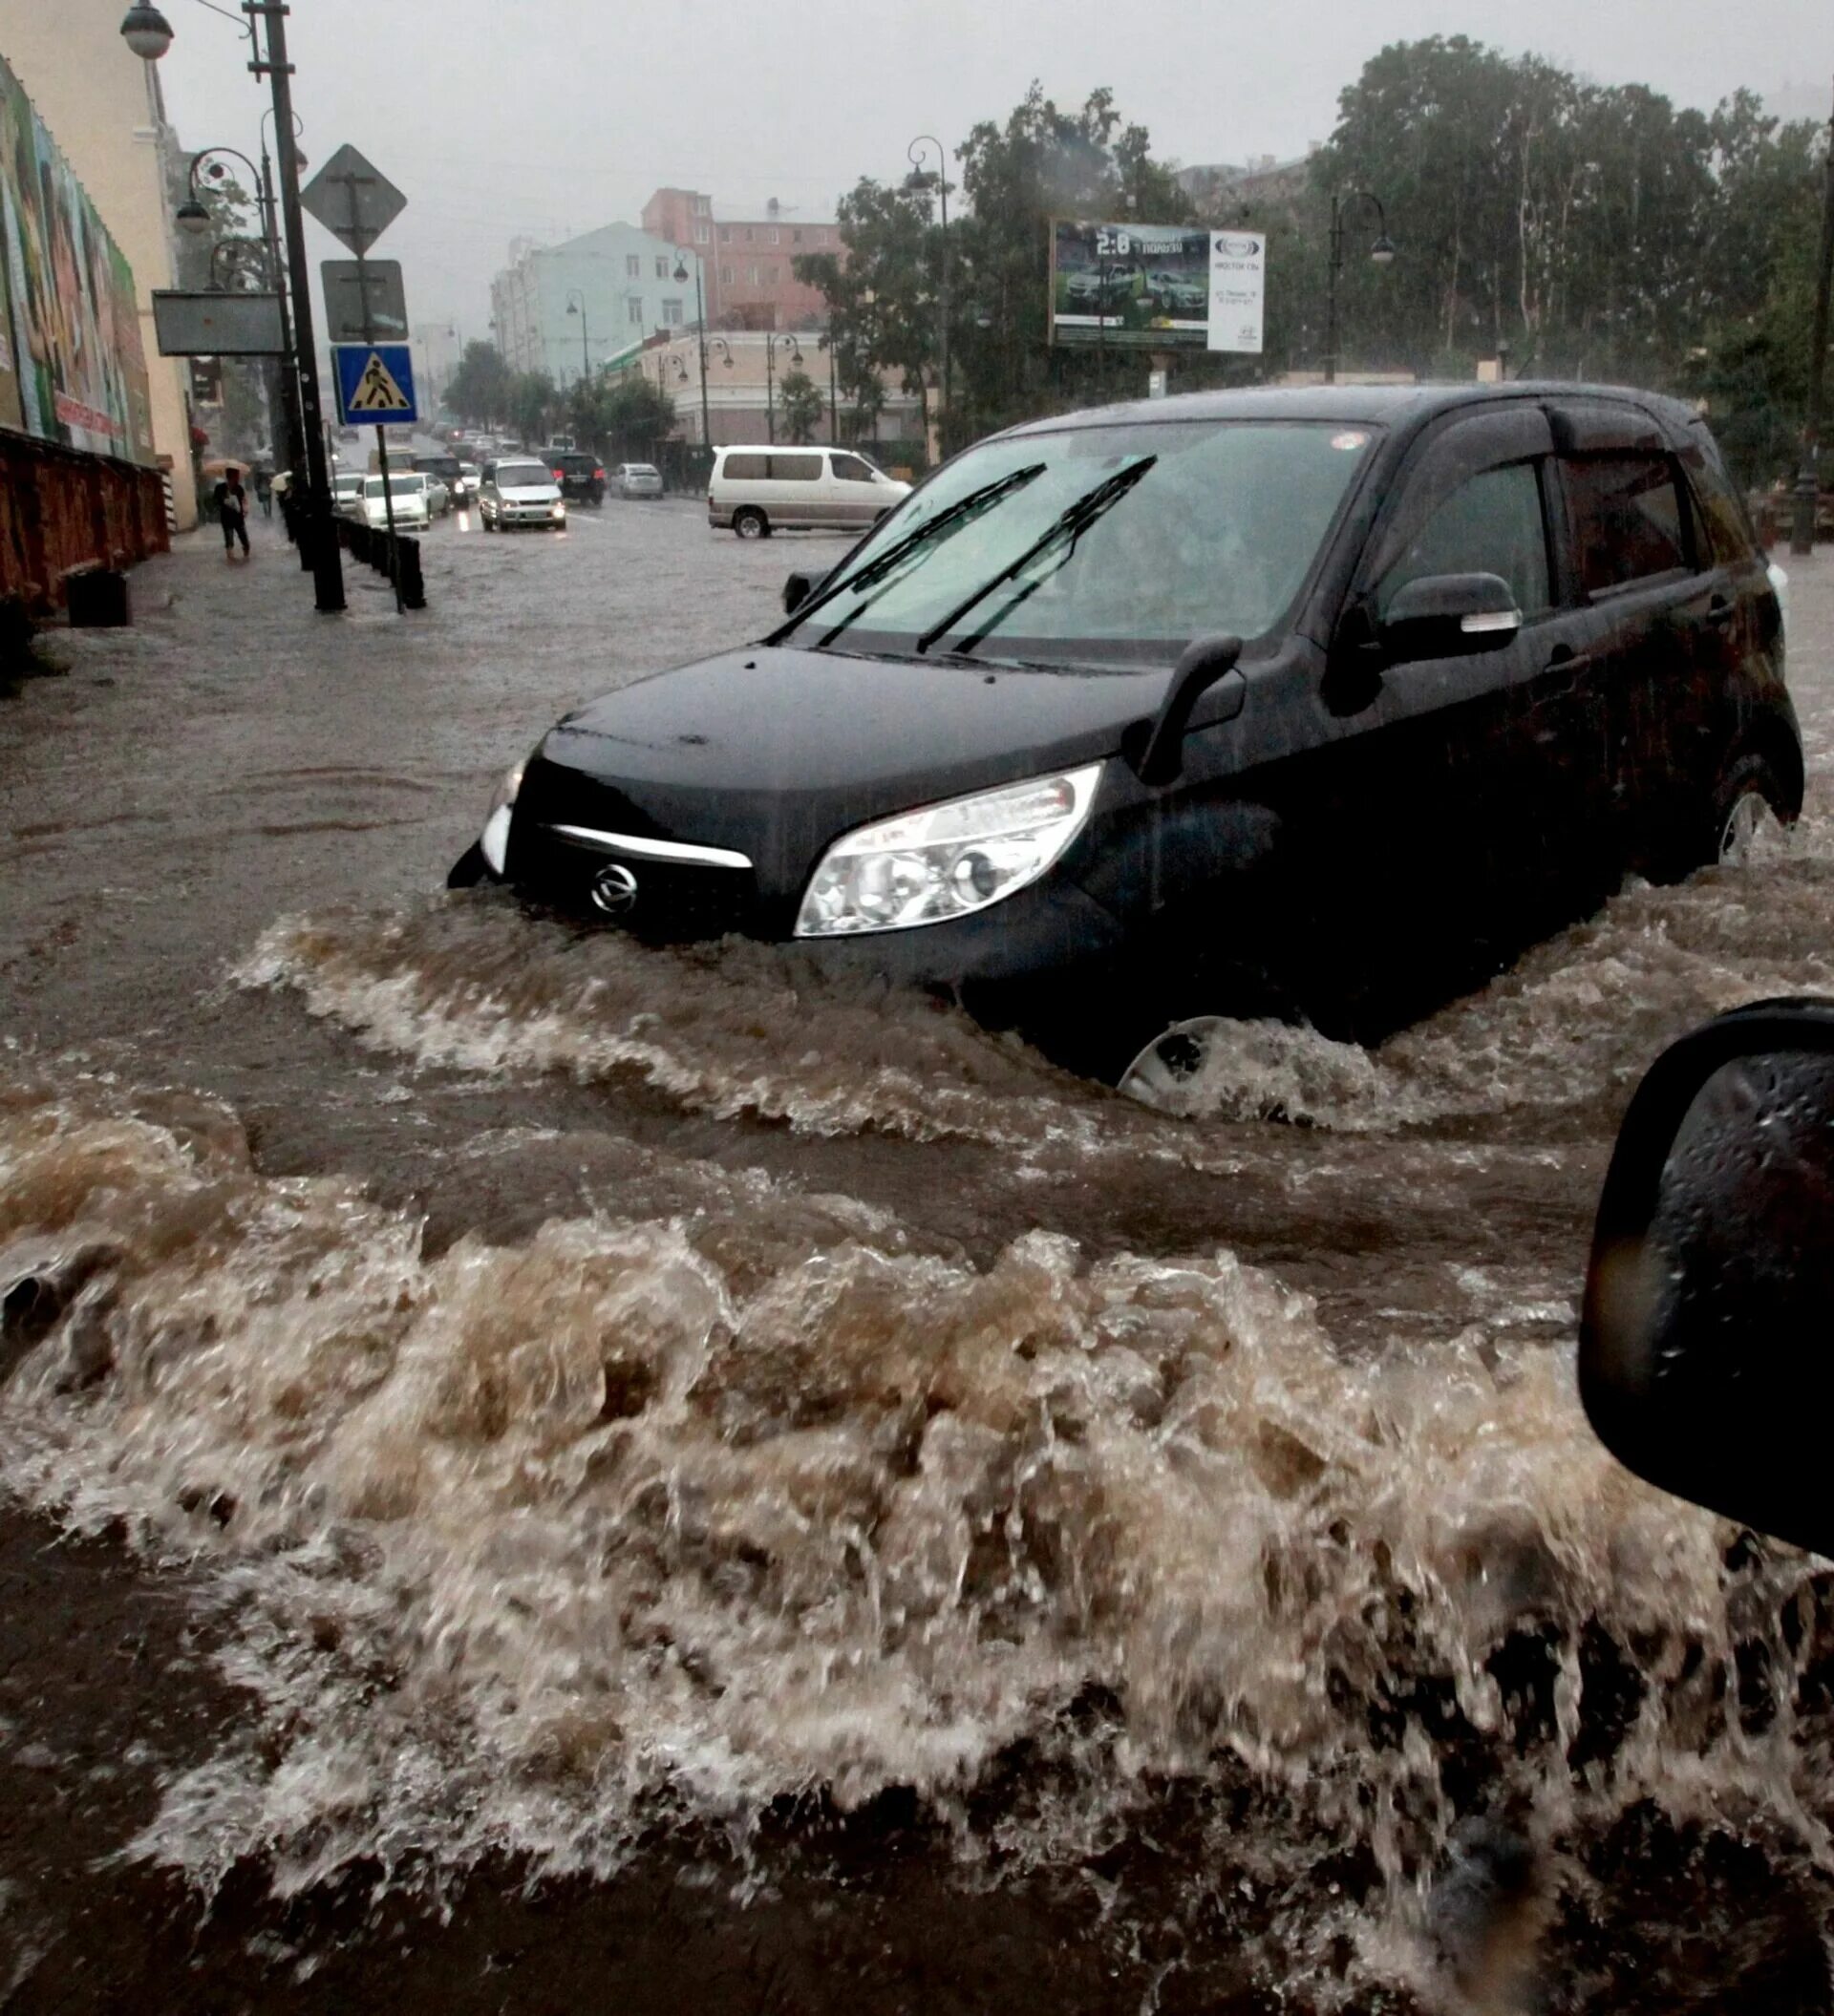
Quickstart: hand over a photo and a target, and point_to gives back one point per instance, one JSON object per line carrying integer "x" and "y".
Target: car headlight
{"x": 559, "y": 507}
{"x": 945, "y": 860}
{"x": 494, "y": 842}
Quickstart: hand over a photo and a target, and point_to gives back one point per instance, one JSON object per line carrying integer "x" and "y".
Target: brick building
{"x": 751, "y": 280}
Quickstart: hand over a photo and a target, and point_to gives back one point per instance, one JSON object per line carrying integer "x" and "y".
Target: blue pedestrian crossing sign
{"x": 374, "y": 384}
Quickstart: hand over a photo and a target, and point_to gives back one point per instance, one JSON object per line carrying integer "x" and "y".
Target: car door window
{"x": 1493, "y": 524}
{"x": 1628, "y": 520}
{"x": 1719, "y": 510}
{"x": 850, "y": 469}
{"x": 796, "y": 468}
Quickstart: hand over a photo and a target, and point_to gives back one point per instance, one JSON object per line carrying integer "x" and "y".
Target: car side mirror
{"x": 798, "y": 590}
{"x": 1448, "y": 615}
{"x": 1706, "y": 1355}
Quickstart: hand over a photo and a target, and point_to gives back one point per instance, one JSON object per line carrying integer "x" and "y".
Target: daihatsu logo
{"x": 614, "y": 890}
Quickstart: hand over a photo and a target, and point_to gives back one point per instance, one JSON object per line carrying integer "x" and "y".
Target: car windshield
{"x": 519, "y": 475}
{"x": 1123, "y": 544}
{"x": 399, "y": 485}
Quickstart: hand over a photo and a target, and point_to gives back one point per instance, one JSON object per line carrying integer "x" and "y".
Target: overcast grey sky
{"x": 544, "y": 116}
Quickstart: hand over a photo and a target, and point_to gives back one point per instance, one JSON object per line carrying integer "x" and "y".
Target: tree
{"x": 622, "y": 419}
{"x": 800, "y": 404}
{"x": 479, "y": 391}
{"x": 531, "y": 402}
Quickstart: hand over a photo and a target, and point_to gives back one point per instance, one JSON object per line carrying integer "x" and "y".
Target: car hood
{"x": 774, "y": 752}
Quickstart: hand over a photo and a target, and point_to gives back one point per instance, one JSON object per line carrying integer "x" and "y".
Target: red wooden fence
{"x": 61, "y": 510}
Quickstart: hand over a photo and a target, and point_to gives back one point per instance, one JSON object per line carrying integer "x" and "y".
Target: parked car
{"x": 1314, "y": 702}
{"x": 347, "y": 493}
{"x": 520, "y": 491}
{"x": 406, "y": 493}
{"x": 758, "y": 491}
{"x": 579, "y": 476}
{"x": 638, "y": 479}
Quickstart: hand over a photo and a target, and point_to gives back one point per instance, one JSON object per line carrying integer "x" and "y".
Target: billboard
{"x": 1155, "y": 287}
{"x": 73, "y": 367}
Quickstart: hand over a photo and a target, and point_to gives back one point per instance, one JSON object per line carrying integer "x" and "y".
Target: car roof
{"x": 1403, "y": 407}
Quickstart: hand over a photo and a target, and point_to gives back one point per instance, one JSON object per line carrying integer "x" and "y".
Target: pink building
{"x": 751, "y": 280}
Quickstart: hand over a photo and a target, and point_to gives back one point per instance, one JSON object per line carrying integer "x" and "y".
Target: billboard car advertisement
{"x": 72, "y": 366}
{"x": 1155, "y": 287}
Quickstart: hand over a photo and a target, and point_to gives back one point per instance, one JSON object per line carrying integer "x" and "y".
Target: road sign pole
{"x": 328, "y": 571}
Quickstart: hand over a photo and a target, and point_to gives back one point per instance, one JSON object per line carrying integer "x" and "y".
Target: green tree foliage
{"x": 622, "y": 419}
{"x": 1598, "y": 232}
{"x": 479, "y": 391}
{"x": 532, "y": 403}
{"x": 800, "y": 404}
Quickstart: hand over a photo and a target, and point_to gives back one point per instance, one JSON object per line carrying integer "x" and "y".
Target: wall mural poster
{"x": 75, "y": 367}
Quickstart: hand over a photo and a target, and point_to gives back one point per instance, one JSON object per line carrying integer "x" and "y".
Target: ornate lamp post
{"x": 1382, "y": 253}
{"x": 148, "y": 34}
{"x": 576, "y": 306}
{"x": 700, "y": 332}
{"x": 794, "y": 351}
{"x": 920, "y": 178}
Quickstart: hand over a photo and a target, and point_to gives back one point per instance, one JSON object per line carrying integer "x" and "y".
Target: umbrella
{"x": 219, "y": 466}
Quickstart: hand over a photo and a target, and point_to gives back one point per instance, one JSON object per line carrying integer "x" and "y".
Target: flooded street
{"x": 538, "y": 1467}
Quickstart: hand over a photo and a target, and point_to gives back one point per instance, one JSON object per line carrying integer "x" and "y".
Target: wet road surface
{"x": 716, "y": 1481}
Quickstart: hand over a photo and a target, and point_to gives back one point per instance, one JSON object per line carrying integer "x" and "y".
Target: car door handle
{"x": 1558, "y": 674}
{"x": 1719, "y": 611}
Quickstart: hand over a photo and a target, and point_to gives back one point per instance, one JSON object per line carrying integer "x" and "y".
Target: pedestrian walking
{"x": 232, "y": 509}
{"x": 265, "y": 490}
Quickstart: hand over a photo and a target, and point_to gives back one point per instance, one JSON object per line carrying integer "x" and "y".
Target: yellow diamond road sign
{"x": 376, "y": 390}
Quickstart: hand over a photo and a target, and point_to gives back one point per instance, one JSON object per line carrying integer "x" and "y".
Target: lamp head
{"x": 192, "y": 218}
{"x": 1382, "y": 252}
{"x": 146, "y": 31}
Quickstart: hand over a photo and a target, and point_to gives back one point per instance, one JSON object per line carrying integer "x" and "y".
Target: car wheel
{"x": 749, "y": 523}
{"x": 1747, "y": 797}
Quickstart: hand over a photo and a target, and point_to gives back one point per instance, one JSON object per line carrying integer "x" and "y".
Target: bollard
{"x": 410, "y": 580}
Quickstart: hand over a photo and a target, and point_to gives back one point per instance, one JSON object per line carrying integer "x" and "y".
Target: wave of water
{"x": 528, "y": 1547}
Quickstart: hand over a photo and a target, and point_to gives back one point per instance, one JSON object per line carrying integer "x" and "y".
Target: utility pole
{"x": 1808, "y": 480}
{"x": 328, "y": 568}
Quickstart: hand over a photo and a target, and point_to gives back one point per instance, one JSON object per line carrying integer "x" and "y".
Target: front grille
{"x": 674, "y": 901}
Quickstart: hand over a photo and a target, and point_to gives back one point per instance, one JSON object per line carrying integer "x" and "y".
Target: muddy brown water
{"x": 541, "y": 1468}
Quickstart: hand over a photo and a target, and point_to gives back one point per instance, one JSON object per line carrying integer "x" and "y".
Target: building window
{"x": 777, "y": 236}
{"x": 662, "y": 266}
{"x": 671, "y": 315}
{"x": 703, "y": 234}
{"x": 754, "y": 272}
{"x": 796, "y": 237}
{"x": 725, "y": 276}
{"x": 633, "y": 266}
{"x": 725, "y": 234}
{"x": 703, "y": 206}
{"x": 770, "y": 276}
{"x": 633, "y": 308}
{"x": 751, "y": 236}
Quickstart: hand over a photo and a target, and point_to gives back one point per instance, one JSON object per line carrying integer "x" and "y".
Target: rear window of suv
{"x": 573, "y": 464}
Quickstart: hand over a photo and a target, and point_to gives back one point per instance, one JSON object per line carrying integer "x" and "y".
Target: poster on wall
{"x": 74, "y": 368}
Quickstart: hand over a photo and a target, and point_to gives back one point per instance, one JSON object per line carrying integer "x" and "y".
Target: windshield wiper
{"x": 1074, "y": 521}
{"x": 875, "y": 571}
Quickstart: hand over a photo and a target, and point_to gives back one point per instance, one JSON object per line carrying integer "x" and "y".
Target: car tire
{"x": 1749, "y": 791}
{"x": 749, "y": 522}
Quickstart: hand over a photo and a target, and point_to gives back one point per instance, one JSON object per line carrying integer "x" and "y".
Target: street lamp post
{"x": 920, "y": 179}
{"x": 193, "y": 218}
{"x": 148, "y": 34}
{"x": 1808, "y": 480}
{"x": 700, "y": 333}
{"x": 1382, "y": 253}
{"x": 794, "y": 355}
{"x": 576, "y": 306}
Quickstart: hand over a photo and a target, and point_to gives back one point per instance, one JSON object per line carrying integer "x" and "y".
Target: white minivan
{"x": 758, "y": 491}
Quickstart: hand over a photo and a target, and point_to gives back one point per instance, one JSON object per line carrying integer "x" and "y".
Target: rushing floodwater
{"x": 733, "y": 1490}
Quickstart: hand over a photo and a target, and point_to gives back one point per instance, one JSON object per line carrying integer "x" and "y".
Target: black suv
{"x": 579, "y": 476}
{"x": 1317, "y": 703}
